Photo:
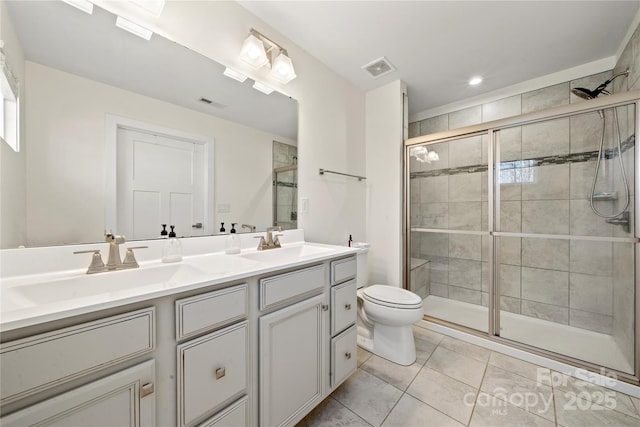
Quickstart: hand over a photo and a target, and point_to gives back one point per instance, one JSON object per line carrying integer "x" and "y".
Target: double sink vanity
{"x": 257, "y": 338}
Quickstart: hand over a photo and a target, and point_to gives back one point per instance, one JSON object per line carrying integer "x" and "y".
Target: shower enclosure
{"x": 523, "y": 230}
{"x": 285, "y": 197}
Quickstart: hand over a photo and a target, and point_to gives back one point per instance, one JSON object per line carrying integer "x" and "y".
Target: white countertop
{"x": 31, "y": 299}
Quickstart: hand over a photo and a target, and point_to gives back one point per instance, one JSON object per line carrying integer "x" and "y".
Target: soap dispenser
{"x": 172, "y": 249}
{"x": 222, "y": 230}
{"x": 163, "y": 233}
{"x": 232, "y": 244}
{"x": 233, "y": 227}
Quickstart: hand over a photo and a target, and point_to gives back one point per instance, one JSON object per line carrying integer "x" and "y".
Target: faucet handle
{"x": 130, "y": 258}
{"x": 97, "y": 265}
{"x": 276, "y": 241}
{"x": 262, "y": 243}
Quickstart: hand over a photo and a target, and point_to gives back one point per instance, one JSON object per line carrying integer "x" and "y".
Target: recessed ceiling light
{"x": 475, "y": 81}
{"x": 83, "y": 5}
{"x": 235, "y": 75}
{"x": 133, "y": 28}
{"x": 262, "y": 88}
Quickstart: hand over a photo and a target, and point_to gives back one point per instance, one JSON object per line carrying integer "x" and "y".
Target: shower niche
{"x": 527, "y": 225}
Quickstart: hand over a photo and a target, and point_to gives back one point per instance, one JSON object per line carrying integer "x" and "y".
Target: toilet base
{"x": 394, "y": 343}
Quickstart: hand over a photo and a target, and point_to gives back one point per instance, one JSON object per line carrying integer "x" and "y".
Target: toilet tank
{"x": 361, "y": 267}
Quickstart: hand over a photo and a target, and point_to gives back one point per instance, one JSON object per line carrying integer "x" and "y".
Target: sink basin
{"x": 81, "y": 286}
{"x": 290, "y": 254}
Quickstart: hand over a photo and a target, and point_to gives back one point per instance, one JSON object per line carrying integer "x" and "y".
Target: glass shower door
{"x": 448, "y": 224}
{"x": 564, "y": 236}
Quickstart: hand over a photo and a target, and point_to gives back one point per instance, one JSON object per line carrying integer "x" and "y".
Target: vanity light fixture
{"x": 262, "y": 88}
{"x": 84, "y": 5}
{"x": 259, "y": 51}
{"x": 474, "y": 81}
{"x": 253, "y": 52}
{"x": 133, "y": 28}
{"x": 235, "y": 75}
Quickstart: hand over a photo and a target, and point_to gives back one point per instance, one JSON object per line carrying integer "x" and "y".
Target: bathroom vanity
{"x": 258, "y": 338}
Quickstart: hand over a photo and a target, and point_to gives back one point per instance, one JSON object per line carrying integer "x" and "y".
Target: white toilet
{"x": 385, "y": 316}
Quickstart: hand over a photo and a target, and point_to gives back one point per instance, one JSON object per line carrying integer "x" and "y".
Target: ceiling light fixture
{"x": 133, "y": 28}
{"x": 262, "y": 88}
{"x": 84, "y": 5}
{"x": 259, "y": 51}
{"x": 475, "y": 81}
{"x": 235, "y": 75}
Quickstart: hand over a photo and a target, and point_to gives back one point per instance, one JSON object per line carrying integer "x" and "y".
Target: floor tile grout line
{"x": 348, "y": 409}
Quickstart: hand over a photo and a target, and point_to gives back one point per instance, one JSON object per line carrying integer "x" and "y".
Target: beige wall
{"x": 12, "y": 164}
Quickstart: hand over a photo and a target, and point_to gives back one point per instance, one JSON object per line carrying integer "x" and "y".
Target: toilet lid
{"x": 391, "y": 296}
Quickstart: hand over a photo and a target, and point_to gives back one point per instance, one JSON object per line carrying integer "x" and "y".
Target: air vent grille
{"x": 379, "y": 67}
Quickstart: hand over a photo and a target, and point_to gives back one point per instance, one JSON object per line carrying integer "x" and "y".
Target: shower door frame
{"x": 490, "y": 129}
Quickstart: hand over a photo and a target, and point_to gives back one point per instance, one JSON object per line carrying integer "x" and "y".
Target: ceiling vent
{"x": 379, "y": 67}
{"x": 212, "y": 103}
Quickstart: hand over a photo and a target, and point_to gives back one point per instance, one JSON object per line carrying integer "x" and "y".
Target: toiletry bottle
{"x": 163, "y": 233}
{"x": 222, "y": 230}
{"x": 172, "y": 248}
{"x": 233, "y": 227}
{"x": 350, "y": 240}
{"x": 232, "y": 245}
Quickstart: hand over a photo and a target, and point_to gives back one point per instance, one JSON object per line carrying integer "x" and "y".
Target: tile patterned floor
{"x": 454, "y": 383}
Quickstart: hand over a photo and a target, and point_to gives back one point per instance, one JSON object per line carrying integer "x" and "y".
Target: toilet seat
{"x": 391, "y": 296}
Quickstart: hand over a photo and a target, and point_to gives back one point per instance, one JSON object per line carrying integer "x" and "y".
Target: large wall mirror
{"x": 124, "y": 134}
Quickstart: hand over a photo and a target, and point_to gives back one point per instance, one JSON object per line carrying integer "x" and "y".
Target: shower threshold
{"x": 593, "y": 347}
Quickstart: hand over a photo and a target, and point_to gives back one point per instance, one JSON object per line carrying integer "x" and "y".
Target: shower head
{"x": 591, "y": 94}
{"x": 584, "y": 93}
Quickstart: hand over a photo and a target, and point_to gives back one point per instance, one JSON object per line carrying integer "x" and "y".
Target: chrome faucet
{"x": 114, "y": 263}
{"x": 270, "y": 242}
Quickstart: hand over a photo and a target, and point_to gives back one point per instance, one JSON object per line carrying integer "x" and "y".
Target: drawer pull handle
{"x": 325, "y": 307}
{"x": 220, "y": 372}
{"x": 347, "y": 306}
{"x": 146, "y": 390}
{"x": 347, "y": 355}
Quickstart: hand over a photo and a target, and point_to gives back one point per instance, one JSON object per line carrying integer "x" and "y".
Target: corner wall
{"x": 384, "y": 132}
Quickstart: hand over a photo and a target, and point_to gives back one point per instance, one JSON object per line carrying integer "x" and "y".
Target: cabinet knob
{"x": 325, "y": 307}
{"x": 347, "y": 355}
{"x": 347, "y": 306}
{"x": 146, "y": 390}
{"x": 220, "y": 372}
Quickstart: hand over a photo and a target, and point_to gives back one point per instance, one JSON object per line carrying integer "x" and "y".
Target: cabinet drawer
{"x": 289, "y": 287}
{"x": 39, "y": 362}
{"x": 202, "y": 313}
{"x": 343, "y": 269}
{"x": 235, "y": 415}
{"x": 344, "y": 303}
{"x": 344, "y": 356}
{"x": 212, "y": 370}
{"x": 115, "y": 400}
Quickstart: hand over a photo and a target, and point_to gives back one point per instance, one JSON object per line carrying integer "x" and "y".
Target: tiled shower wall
{"x": 286, "y": 188}
{"x": 581, "y": 283}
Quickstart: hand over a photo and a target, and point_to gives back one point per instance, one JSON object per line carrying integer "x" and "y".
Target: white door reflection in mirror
{"x": 161, "y": 180}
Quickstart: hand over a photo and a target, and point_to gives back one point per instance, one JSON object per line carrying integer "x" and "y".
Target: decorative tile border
{"x": 586, "y": 156}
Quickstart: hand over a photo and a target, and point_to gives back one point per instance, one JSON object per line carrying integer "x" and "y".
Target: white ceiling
{"x": 437, "y": 46}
